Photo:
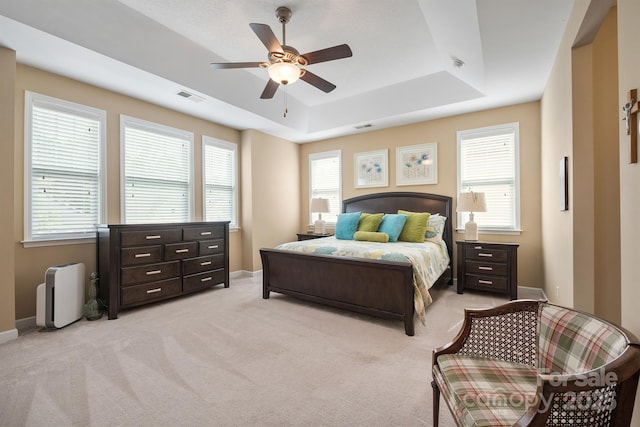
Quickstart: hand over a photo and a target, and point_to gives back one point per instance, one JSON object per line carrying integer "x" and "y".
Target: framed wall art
{"x": 417, "y": 164}
{"x": 371, "y": 169}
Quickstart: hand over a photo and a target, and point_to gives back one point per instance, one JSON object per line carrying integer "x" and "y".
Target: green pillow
{"x": 369, "y": 222}
{"x": 371, "y": 236}
{"x": 415, "y": 228}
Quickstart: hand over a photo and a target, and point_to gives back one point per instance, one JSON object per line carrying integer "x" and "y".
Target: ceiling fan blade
{"x": 222, "y": 65}
{"x": 266, "y": 36}
{"x": 269, "y": 89}
{"x": 318, "y": 82}
{"x": 328, "y": 54}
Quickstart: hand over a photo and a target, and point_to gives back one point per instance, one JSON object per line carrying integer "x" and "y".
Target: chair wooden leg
{"x": 436, "y": 403}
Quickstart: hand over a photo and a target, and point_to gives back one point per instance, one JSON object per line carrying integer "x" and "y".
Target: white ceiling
{"x": 401, "y": 72}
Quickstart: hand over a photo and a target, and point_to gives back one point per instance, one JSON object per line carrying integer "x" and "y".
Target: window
{"x": 219, "y": 171}
{"x": 156, "y": 171}
{"x": 325, "y": 181}
{"x": 488, "y": 161}
{"x": 64, "y": 164}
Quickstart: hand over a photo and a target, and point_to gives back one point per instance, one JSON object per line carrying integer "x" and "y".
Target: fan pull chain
{"x": 285, "y": 102}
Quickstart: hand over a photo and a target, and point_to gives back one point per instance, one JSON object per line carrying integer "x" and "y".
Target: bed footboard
{"x": 374, "y": 287}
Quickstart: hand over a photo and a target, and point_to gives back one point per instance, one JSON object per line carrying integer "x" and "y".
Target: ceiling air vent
{"x": 368, "y": 125}
{"x": 191, "y": 96}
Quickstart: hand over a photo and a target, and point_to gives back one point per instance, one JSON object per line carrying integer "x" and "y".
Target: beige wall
{"x": 8, "y": 114}
{"x": 443, "y": 131}
{"x": 31, "y": 263}
{"x": 271, "y": 194}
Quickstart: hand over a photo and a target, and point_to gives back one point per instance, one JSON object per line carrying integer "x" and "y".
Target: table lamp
{"x": 320, "y": 206}
{"x": 471, "y": 202}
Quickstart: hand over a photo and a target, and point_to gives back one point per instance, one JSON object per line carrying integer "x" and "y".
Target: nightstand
{"x": 486, "y": 266}
{"x": 309, "y": 236}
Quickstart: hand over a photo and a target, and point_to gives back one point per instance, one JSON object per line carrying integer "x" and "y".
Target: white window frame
{"x": 128, "y": 121}
{"x": 225, "y": 145}
{"x": 35, "y": 99}
{"x": 507, "y": 128}
{"x": 320, "y": 156}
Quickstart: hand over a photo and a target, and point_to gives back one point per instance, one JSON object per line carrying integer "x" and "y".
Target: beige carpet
{"x": 226, "y": 357}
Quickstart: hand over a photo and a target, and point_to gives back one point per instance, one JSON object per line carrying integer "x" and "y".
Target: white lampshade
{"x": 284, "y": 72}
{"x": 471, "y": 202}
{"x": 320, "y": 205}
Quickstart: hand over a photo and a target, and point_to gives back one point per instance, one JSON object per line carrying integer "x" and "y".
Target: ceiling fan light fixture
{"x": 284, "y": 73}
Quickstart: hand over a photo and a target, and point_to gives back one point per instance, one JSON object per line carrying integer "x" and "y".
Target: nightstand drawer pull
{"x": 206, "y": 279}
{"x": 153, "y": 291}
{"x": 485, "y": 282}
{"x": 485, "y": 268}
{"x": 153, "y": 236}
{"x": 205, "y": 233}
{"x": 182, "y": 251}
{"x": 147, "y": 254}
{"x": 205, "y": 263}
{"x": 152, "y": 272}
{"x": 486, "y": 255}
{"x": 212, "y": 247}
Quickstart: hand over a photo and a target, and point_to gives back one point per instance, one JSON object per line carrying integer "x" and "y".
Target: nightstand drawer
{"x": 486, "y": 268}
{"x": 493, "y": 283}
{"x": 483, "y": 253}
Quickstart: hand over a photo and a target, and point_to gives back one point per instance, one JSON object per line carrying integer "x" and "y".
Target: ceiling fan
{"x": 285, "y": 62}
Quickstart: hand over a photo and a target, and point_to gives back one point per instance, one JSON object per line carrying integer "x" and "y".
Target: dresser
{"x": 486, "y": 266}
{"x": 144, "y": 263}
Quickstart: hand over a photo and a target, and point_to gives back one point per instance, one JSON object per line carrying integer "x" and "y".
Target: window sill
{"x": 504, "y": 231}
{"x": 58, "y": 242}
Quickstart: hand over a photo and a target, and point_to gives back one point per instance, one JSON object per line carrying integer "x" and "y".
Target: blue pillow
{"x": 347, "y": 225}
{"x": 392, "y": 224}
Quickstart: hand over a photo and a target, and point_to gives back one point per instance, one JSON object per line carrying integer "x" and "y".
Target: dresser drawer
{"x": 141, "y": 294}
{"x": 487, "y": 254}
{"x": 149, "y": 237}
{"x": 180, "y": 250}
{"x": 141, "y": 255}
{"x": 207, "y": 247}
{"x": 200, "y": 280}
{"x": 486, "y": 268}
{"x": 149, "y": 273}
{"x": 203, "y": 263}
{"x": 494, "y": 283}
{"x": 199, "y": 233}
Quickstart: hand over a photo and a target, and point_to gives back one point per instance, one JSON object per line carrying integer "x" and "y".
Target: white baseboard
{"x": 26, "y": 323}
{"x": 9, "y": 335}
{"x": 244, "y": 273}
{"x": 525, "y": 292}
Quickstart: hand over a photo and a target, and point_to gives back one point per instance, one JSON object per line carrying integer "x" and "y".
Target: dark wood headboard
{"x": 410, "y": 201}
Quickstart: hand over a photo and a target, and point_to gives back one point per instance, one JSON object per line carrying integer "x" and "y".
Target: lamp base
{"x": 319, "y": 226}
{"x": 471, "y": 231}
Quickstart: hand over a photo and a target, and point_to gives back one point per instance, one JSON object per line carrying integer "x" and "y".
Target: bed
{"x": 381, "y": 288}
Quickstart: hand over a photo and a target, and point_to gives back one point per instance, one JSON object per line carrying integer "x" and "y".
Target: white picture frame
{"x": 371, "y": 169}
{"x": 417, "y": 164}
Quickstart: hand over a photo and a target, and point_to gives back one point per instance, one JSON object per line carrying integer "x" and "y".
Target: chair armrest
{"x": 506, "y": 332}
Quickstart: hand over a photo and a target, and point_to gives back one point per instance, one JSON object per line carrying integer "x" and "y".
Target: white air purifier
{"x": 60, "y": 299}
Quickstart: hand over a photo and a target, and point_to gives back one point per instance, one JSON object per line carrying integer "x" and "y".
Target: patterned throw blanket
{"x": 429, "y": 259}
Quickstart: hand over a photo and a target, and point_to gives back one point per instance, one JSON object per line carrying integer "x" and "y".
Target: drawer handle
{"x": 153, "y": 291}
{"x": 212, "y": 247}
{"x": 477, "y": 247}
{"x": 152, "y": 272}
{"x": 485, "y": 255}
{"x": 485, "y": 268}
{"x": 153, "y": 236}
{"x": 148, "y": 254}
{"x": 485, "y": 282}
{"x": 205, "y": 263}
{"x": 206, "y": 279}
{"x": 205, "y": 233}
{"x": 182, "y": 251}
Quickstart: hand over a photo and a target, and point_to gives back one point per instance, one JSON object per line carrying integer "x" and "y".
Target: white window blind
{"x": 156, "y": 173}
{"x": 325, "y": 181}
{"x": 220, "y": 177}
{"x": 488, "y": 162}
{"x": 64, "y": 189}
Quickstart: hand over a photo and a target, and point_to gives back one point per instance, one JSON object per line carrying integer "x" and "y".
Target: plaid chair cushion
{"x": 571, "y": 342}
{"x": 485, "y": 392}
